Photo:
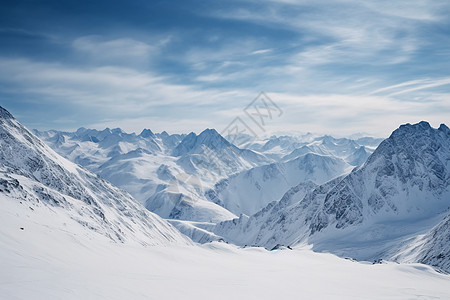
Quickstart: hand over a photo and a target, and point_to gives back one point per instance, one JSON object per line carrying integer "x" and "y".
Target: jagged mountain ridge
{"x": 33, "y": 175}
{"x": 285, "y": 148}
{"x": 402, "y": 190}
{"x": 163, "y": 171}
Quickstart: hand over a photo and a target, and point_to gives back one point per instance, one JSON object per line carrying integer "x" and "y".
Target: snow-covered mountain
{"x": 354, "y": 152}
{"x": 202, "y": 160}
{"x": 39, "y": 185}
{"x": 170, "y": 174}
{"x": 285, "y": 148}
{"x": 401, "y": 192}
{"x": 249, "y": 191}
{"x": 210, "y": 153}
{"x": 92, "y": 148}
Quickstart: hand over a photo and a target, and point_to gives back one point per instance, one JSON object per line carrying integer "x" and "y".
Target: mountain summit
{"x": 194, "y": 144}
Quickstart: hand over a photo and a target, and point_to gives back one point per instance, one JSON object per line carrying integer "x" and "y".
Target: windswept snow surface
{"x": 45, "y": 261}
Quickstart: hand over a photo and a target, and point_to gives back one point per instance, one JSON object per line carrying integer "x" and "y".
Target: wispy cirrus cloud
{"x": 342, "y": 31}
{"x": 109, "y": 88}
{"x": 115, "y": 49}
{"x": 412, "y": 86}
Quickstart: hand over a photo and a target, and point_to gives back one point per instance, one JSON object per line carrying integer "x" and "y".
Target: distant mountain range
{"x": 183, "y": 177}
{"x": 364, "y": 198}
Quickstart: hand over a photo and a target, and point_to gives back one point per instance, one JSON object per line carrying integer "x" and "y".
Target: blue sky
{"x": 332, "y": 66}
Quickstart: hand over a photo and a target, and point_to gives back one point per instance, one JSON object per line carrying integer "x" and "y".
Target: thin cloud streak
{"x": 417, "y": 85}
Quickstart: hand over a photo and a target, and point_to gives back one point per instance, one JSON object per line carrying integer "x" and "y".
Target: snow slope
{"x": 43, "y": 187}
{"x": 46, "y": 262}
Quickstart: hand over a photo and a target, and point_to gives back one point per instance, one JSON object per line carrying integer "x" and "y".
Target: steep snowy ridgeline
{"x": 41, "y": 186}
{"x": 401, "y": 191}
{"x": 249, "y": 191}
{"x": 406, "y": 177}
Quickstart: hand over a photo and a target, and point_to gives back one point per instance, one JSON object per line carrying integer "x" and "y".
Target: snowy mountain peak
{"x": 399, "y": 179}
{"x": 164, "y": 134}
{"x": 5, "y": 114}
{"x": 211, "y": 137}
{"x": 146, "y": 133}
{"x": 193, "y": 143}
{"x": 444, "y": 129}
{"x": 422, "y": 126}
{"x": 413, "y": 141}
{"x": 210, "y": 132}
{"x": 117, "y": 131}
{"x": 81, "y": 130}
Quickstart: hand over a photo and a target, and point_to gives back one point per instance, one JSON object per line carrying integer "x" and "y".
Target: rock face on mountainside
{"x": 406, "y": 176}
{"x": 402, "y": 190}
{"x": 32, "y": 174}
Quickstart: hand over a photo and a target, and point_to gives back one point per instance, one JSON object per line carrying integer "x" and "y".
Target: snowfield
{"x": 47, "y": 262}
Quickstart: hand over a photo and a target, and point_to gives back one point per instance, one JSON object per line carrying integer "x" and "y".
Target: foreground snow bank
{"x": 44, "y": 262}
